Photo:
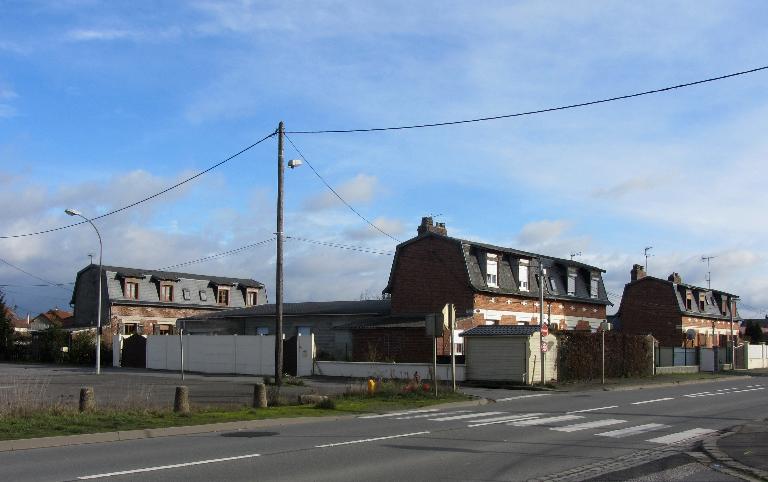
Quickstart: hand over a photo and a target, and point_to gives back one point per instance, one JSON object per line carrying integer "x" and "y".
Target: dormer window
{"x": 571, "y": 281}
{"x": 552, "y": 284}
{"x": 701, "y": 302}
{"x": 594, "y": 284}
{"x": 251, "y": 297}
{"x": 186, "y": 294}
{"x": 203, "y": 295}
{"x": 688, "y": 301}
{"x": 131, "y": 290}
{"x": 522, "y": 275}
{"x": 166, "y": 292}
{"x": 492, "y": 272}
{"x": 222, "y": 296}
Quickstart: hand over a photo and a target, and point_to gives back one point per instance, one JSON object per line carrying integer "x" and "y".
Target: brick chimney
{"x": 675, "y": 278}
{"x": 427, "y": 226}
{"x": 637, "y": 272}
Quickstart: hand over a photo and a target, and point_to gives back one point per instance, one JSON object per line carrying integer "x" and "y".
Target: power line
{"x": 115, "y": 211}
{"x": 36, "y": 286}
{"x": 338, "y": 195}
{"x": 532, "y": 112}
{"x": 219, "y": 255}
{"x": 361, "y": 249}
{"x": 47, "y": 282}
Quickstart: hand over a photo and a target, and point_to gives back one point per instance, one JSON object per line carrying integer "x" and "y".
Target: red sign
{"x": 545, "y": 329}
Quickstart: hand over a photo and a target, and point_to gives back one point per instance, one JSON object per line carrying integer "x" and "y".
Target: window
{"x": 186, "y": 294}
{"x": 552, "y": 284}
{"x": 491, "y": 272}
{"x": 571, "y": 281}
{"x": 262, "y": 330}
{"x": 223, "y": 296}
{"x": 701, "y": 302}
{"x": 203, "y": 296}
{"x": 251, "y": 298}
{"x": 132, "y": 290}
{"x": 688, "y": 301}
{"x": 522, "y": 273}
{"x": 594, "y": 285}
{"x": 163, "y": 330}
{"x": 130, "y": 328}
{"x": 166, "y": 293}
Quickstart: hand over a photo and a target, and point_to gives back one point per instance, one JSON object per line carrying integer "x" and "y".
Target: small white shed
{"x": 508, "y": 353}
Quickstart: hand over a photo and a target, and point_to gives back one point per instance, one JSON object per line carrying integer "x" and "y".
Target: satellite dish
{"x": 690, "y": 334}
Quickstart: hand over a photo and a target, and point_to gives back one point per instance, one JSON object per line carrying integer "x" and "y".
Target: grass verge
{"x": 655, "y": 380}
{"x": 48, "y": 423}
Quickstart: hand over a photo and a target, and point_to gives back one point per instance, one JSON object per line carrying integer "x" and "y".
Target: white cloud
{"x": 393, "y": 227}
{"x": 360, "y": 189}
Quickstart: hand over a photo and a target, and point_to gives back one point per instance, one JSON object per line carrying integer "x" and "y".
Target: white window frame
{"x": 552, "y": 284}
{"x": 571, "y": 282}
{"x": 523, "y": 275}
{"x": 492, "y": 272}
{"x": 594, "y": 286}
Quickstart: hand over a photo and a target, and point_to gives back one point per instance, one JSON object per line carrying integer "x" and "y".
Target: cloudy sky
{"x": 104, "y": 103}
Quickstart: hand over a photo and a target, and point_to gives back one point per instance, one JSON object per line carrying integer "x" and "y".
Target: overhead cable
{"x": 532, "y": 112}
{"x": 219, "y": 255}
{"x": 361, "y": 249}
{"x": 319, "y": 176}
{"x": 47, "y": 282}
{"x": 115, "y": 211}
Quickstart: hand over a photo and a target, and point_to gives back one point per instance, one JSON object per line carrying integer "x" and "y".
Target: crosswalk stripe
{"x": 505, "y": 418}
{"x": 426, "y": 415}
{"x": 681, "y": 436}
{"x": 469, "y": 415}
{"x": 652, "y": 401}
{"x": 709, "y": 394}
{"x": 626, "y": 432}
{"x": 395, "y": 414}
{"x": 592, "y": 409}
{"x": 523, "y": 396}
{"x": 544, "y": 421}
{"x": 586, "y": 425}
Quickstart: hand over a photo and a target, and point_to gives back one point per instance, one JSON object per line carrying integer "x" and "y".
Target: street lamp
{"x": 74, "y": 212}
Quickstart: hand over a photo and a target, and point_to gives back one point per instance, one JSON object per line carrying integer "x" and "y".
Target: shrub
{"x": 326, "y": 403}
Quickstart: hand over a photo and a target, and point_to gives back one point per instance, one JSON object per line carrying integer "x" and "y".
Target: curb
{"x": 662, "y": 385}
{"x": 105, "y": 437}
{"x": 711, "y": 449}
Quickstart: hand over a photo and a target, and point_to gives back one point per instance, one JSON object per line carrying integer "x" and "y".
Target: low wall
{"x": 385, "y": 370}
{"x": 757, "y": 355}
{"x": 677, "y": 369}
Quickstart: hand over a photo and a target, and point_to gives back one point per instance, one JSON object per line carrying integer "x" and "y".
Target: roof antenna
{"x": 709, "y": 273}
{"x": 573, "y": 255}
{"x": 647, "y": 248}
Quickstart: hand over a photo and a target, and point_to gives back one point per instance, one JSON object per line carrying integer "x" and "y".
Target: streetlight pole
{"x": 73, "y": 212}
{"x": 733, "y": 342}
{"x": 541, "y": 317}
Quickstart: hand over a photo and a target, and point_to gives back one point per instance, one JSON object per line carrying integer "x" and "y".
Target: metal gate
{"x": 134, "y": 352}
{"x": 290, "y": 351}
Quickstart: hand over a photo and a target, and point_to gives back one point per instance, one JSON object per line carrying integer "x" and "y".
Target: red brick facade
{"x": 392, "y": 344}
{"x": 148, "y": 317}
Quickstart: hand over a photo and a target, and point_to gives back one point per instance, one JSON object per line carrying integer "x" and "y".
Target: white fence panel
{"x": 231, "y": 354}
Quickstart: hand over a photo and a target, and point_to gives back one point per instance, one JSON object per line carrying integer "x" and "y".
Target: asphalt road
{"x": 639, "y": 434}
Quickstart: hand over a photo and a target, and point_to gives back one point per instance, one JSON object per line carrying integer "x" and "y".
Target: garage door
{"x": 496, "y": 358}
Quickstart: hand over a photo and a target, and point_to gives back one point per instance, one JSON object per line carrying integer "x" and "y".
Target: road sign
{"x": 545, "y": 329}
{"x": 544, "y": 347}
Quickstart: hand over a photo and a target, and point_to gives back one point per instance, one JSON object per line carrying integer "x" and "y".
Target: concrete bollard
{"x": 181, "y": 400}
{"x": 259, "y": 396}
{"x": 87, "y": 401}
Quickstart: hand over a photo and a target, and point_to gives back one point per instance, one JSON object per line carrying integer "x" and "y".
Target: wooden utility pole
{"x": 541, "y": 317}
{"x": 279, "y": 262}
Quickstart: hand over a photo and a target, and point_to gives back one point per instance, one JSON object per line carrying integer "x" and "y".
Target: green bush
{"x": 326, "y": 403}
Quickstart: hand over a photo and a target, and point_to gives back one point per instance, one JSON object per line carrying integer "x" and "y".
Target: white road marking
{"x": 652, "y": 401}
{"x": 522, "y": 396}
{"x": 506, "y": 418}
{"x": 166, "y": 467}
{"x": 425, "y": 415}
{"x": 468, "y": 415}
{"x": 586, "y": 425}
{"x": 626, "y": 432}
{"x": 709, "y": 394}
{"x": 592, "y": 409}
{"x": 396, "y": 414}
{"x": 681, "y": 436}
{"x": 370, "y": 440}
{"x": 544, "y": 421}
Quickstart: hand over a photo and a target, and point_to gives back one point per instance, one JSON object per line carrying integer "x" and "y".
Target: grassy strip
{"x": 58, "y": 422}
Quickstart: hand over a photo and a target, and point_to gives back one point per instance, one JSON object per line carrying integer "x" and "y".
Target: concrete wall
{"x": 677, "y": 369}
{"x": 534, "y": 359}
{"x": 247, "y": 355}
{"x": 385, "y": 370}
{"x": 757, "y": 355}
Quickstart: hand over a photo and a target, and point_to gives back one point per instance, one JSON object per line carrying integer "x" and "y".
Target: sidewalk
{"x": 743, "y": 448}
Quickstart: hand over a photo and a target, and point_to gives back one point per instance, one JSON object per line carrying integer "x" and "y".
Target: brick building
{"x": 492, "y": 284}
{"x": 670, "y": 309}
{"x": 150, "y": 301}
{"x": 54, "y": 317}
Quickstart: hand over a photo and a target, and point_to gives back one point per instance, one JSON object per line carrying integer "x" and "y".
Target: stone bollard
{"x": 181, "y": 400}
{"x": 259, "y": 396}
{"x": 87, "y": 402}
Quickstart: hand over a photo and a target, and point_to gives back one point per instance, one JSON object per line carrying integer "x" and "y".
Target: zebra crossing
{"x": 570, "y": 422}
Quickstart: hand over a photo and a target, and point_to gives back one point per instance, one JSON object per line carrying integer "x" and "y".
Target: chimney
{"x": 675, "y": 278}
{"x": 637, "y": 272}
{"x": 427, "y": 226}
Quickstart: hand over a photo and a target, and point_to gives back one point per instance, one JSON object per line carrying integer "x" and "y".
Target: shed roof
{"x": 502, "y": 330}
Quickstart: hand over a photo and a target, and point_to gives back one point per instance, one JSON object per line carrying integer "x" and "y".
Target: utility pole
{"x": 733, "y": 342}
{"x": 279, "y": 262}
{"x": 541, "y": 317}
{"x": 709, "y": 273}
{"x": 647, "y": 248}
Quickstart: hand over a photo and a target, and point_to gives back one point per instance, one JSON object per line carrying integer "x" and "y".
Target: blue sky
{"x": 102, "y": 103}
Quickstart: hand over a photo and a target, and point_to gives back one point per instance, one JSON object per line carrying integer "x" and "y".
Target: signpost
{"x": 449, "y": 315}
{"x": 545, "y": 329}
{"x": 435, "y": 327}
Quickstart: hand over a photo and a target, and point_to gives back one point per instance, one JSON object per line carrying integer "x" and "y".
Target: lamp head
{"x": 72, "y": 212}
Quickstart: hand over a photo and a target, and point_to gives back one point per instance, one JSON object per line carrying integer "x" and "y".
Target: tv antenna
{"x": 573, "y": 255}
{"x": 709, "y": 272}
{"x": 647, "y": 248}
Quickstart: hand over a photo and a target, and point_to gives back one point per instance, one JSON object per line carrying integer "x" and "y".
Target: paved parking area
{"x": 49, "y": 385}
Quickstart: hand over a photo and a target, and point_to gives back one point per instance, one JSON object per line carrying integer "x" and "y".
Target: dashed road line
{"x": 523, "y": 396}
{"x": 682, "y": 436}
{"x": 544, "y": 421}
{"x": 587, "y": 425}
{"x": 652, "y": 401}
{"x": 370, "y": 439}
{"x": 166, "y": 467}
{"x": 504, "y": 419}
{"x": 626, "y": 432}
{"x": 427, "y": 415}
{"x": 468, "y": 415}
{"x": 592, "y": 409}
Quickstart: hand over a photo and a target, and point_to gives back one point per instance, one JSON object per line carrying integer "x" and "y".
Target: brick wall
{"x": 148, "y": 317}
{"x": 528, "y": 305}
{"x": 404, "y": 345}
{"x": 650, "y": 306}
{"x": 429, "y": 273}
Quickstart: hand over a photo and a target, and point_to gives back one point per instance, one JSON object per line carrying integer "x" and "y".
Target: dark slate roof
{"x": 172, "y": 275}
{"x": 364, "y": 307}
{"x": 711, "y": 309}
{"x": 556, "y": 268}
{"x": 760, "y": 321}
{"x": 393, "y": 321}
{"x": 502, "y": 330}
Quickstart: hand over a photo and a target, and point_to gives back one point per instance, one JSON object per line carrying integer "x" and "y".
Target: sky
{"x": 105, "y": 103}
